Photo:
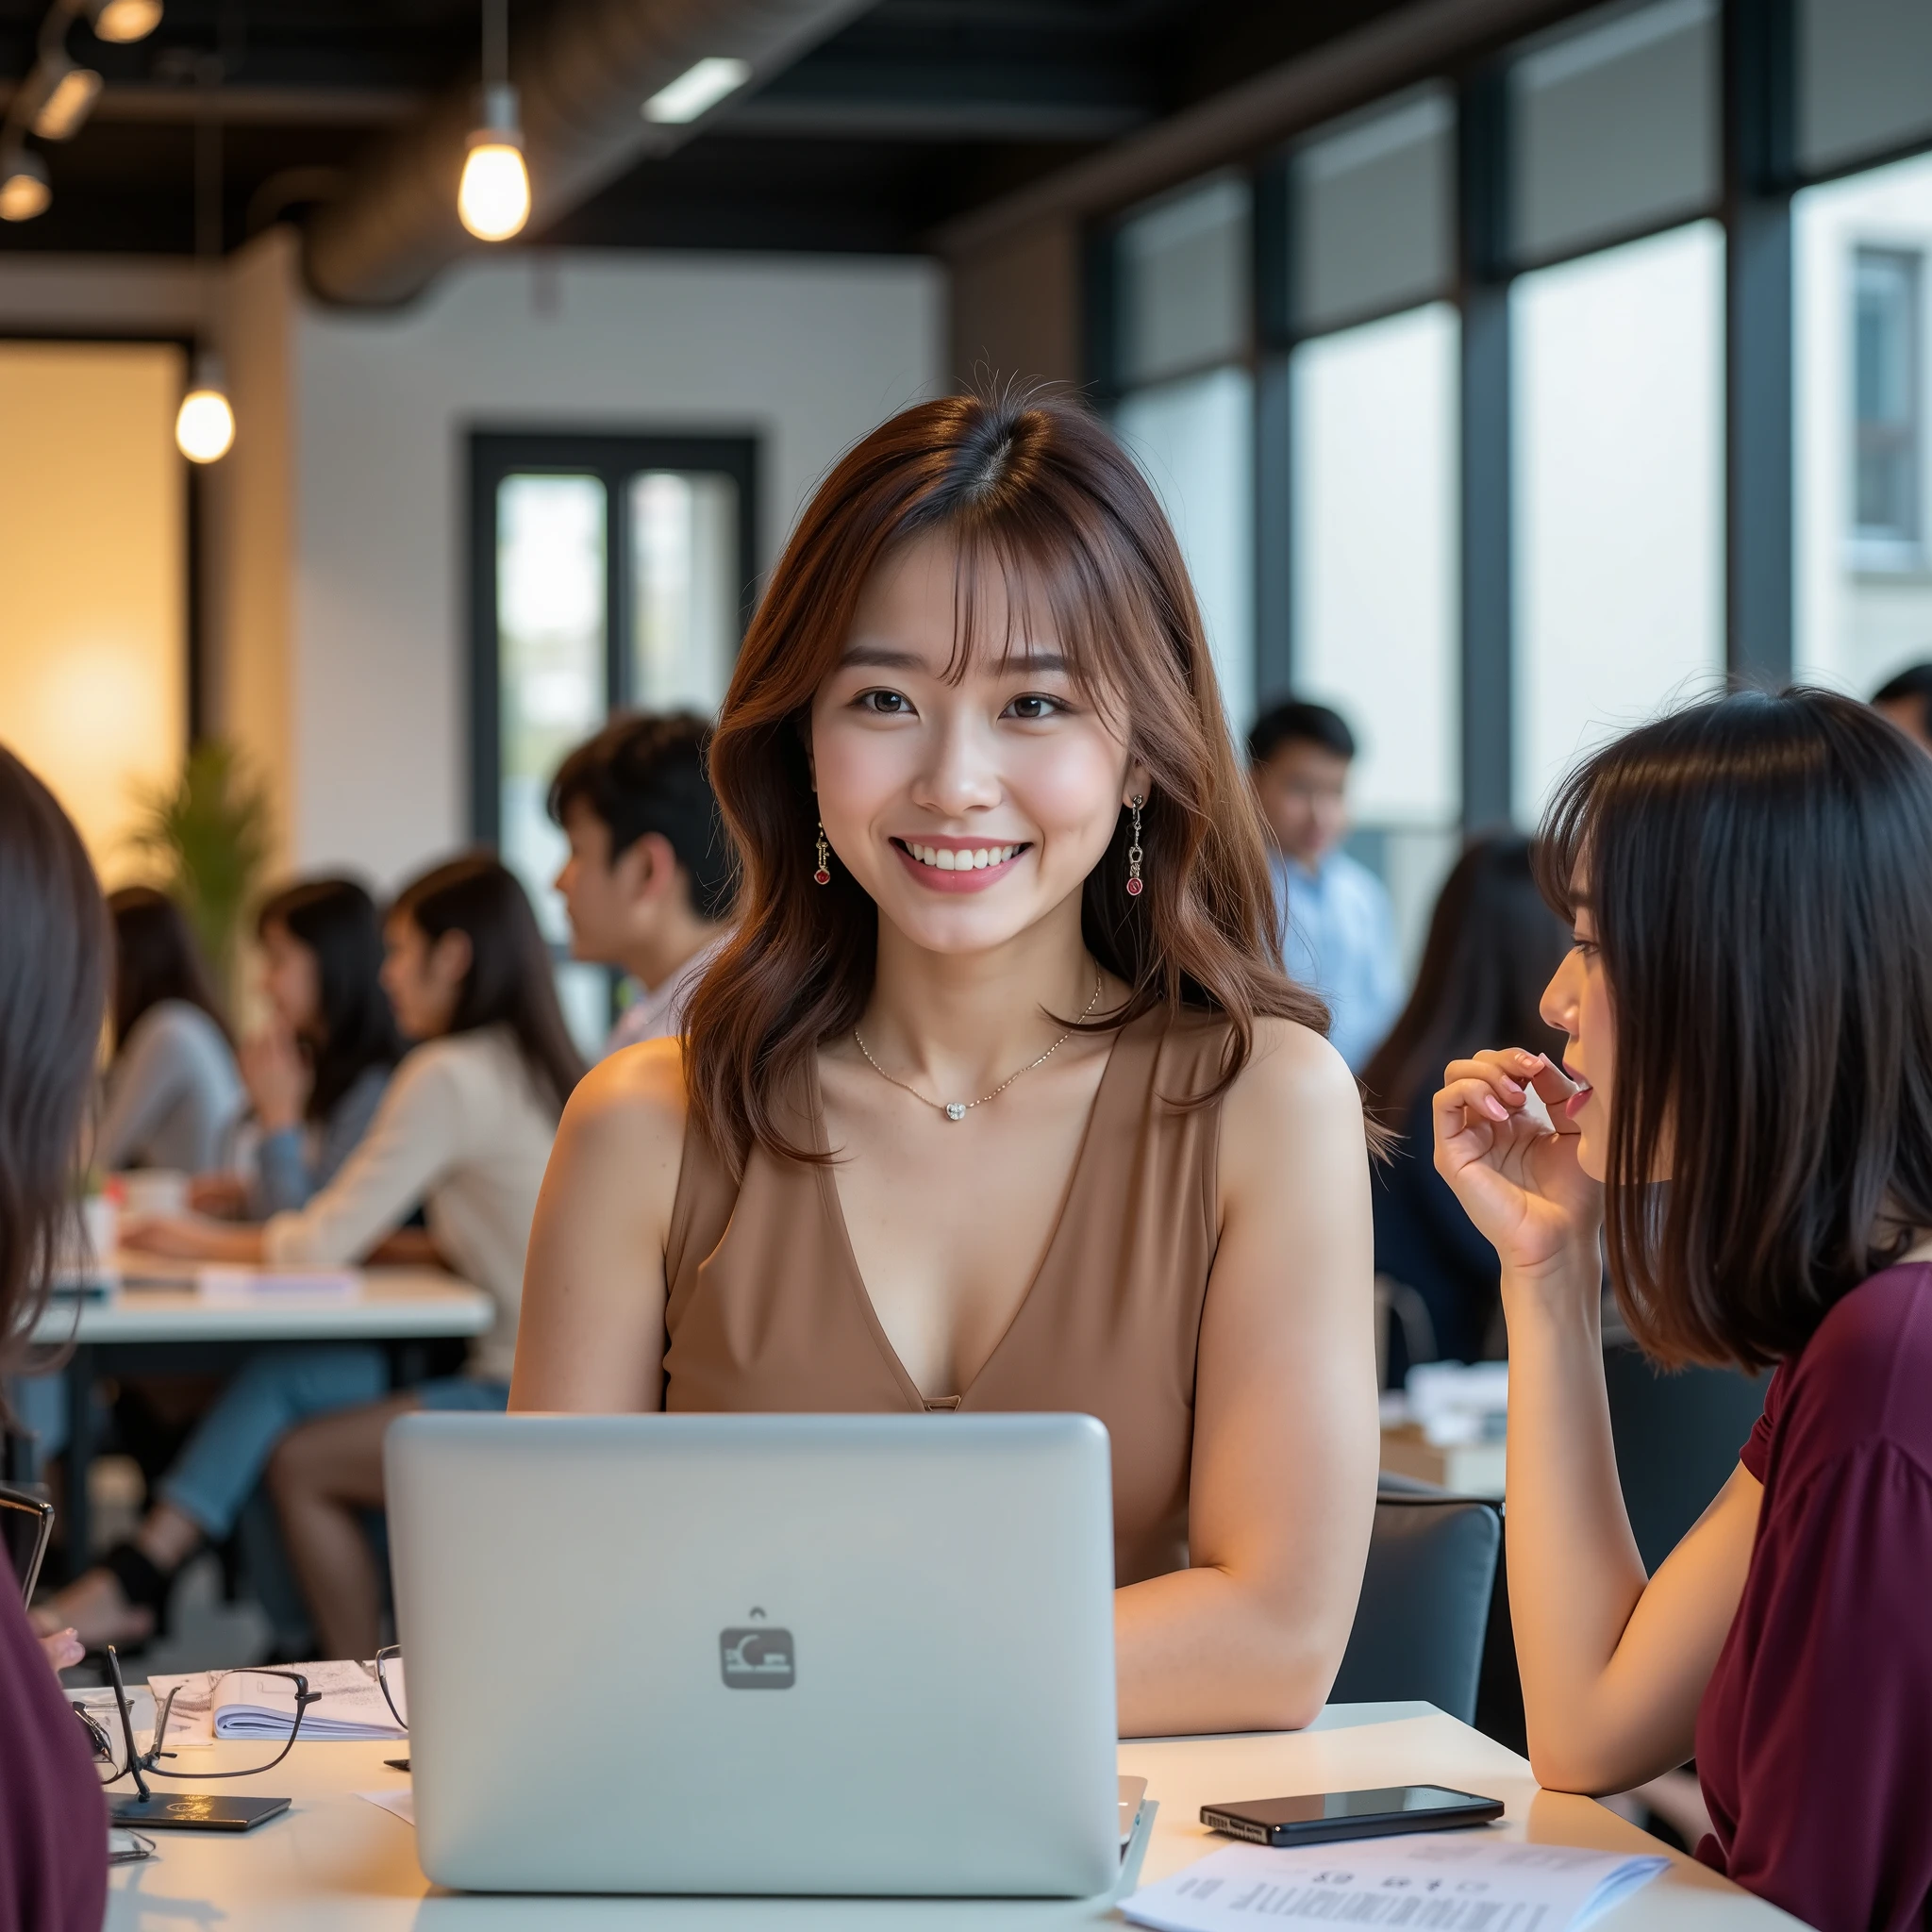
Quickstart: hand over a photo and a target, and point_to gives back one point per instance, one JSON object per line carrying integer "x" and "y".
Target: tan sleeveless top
{"x": 766, "y": 1310}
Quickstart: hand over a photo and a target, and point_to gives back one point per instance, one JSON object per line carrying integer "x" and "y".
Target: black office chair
{"x": 1425, "y": 1606}
{"x": 1677, "y": 1434}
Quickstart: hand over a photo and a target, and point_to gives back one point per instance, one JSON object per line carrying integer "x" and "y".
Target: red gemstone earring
{"x": 1134, "y": 884}
{"x": 824, "y": 876}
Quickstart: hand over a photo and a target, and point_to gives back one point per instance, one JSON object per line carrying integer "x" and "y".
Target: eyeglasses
{"x": 389, "y": 1659}
{"x": 125, "y": 1759}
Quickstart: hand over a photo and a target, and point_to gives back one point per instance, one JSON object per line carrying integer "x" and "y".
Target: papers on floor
{"x": 1446, "y": 1881}
{"x": 401, "y": 1802}
{"x": 253, "y": 1703}
{"x": 219, "y": 1284}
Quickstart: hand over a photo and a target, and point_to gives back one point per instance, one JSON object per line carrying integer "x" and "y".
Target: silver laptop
{"x": 758, "y": 1654}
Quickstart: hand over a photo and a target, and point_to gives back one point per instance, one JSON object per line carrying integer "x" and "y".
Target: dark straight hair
{"x": 1039, "y": 497}
{"x": 54, "y": 958}
{"x": 337, "y": 922}
{"x": 155, "y": 959}
{"x": 644, "y": 771}
{"x": 1493, "y": 947}
{"x": 1759, "y": 871}
{"x": 510, "y": 982}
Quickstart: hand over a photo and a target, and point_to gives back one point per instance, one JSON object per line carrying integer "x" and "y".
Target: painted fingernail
{"x": 1494, "y": 1107}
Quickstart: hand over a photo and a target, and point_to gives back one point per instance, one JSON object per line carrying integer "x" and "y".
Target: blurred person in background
{"x": 465, "y": 1128}
{"x": 54, "y": 965}
{"x": 318, "y": 1071}
{"x": 1338, "y": 932}
{"x": 1907, "y": 700}
{"x": 647, "y": 885}
{"x": 1493, "y": 944}
{"x": 173, "y": 1093}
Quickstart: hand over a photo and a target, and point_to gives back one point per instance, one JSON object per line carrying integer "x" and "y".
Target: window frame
{"x": 1874, "y": 548}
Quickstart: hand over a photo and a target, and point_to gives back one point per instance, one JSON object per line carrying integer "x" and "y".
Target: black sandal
{"x": 143, "y": 1583}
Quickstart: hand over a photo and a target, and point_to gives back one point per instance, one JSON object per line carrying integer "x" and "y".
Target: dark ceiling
{"x": 917, "y": 111}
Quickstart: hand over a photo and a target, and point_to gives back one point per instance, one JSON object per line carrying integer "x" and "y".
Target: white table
{"x": 160, "y": 1329}
{"x": 336, "y": 1860}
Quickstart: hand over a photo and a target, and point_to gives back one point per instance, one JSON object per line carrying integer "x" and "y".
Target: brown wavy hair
{"x": 1037, "y": 489}
{"x": 1758, "y": 869}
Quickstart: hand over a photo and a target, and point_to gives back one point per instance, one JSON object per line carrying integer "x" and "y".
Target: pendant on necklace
{"x": 956, "y": 1109}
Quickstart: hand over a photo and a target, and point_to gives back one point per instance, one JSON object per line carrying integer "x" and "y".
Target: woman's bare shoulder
{"x": 1295, "y": 1087}
{"x": 631, "y": 1104}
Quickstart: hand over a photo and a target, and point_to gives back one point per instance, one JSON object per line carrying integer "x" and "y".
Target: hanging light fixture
{"x": 205, "y": 424}
{"x": 123, "y": 21}
{"x": 24, "y": 190}
{"x": 494, "y": 200}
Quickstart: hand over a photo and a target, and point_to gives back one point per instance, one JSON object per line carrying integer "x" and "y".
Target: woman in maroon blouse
{"x": 1744, "y": 1111}
{"x": 53, "y": 994}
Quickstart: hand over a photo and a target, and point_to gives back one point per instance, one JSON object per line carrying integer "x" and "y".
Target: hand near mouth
{"x": 1513, "y": 1164}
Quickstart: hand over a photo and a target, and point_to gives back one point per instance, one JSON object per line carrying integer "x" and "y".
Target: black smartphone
{"x": 1317, "y": 1817}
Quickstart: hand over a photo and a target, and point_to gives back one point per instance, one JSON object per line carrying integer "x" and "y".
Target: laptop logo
{"x": 756, "y": 1659}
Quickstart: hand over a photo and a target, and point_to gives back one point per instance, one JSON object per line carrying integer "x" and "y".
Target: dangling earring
{"x": 1134, "y": 887}
{"x": 824, "y": 876}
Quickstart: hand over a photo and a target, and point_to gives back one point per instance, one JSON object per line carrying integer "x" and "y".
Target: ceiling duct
{"x": 583, "y": 70}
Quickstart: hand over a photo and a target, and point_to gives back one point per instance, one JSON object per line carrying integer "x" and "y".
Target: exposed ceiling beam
{"x": 913, "y": 119}
{"x": 1389, "y": 53}
{"x": 258, "y": 106}
{"x": 584, "y": 69}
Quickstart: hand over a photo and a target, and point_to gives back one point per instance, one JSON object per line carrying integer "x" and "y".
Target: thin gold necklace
{"x": 958, "y": 1109}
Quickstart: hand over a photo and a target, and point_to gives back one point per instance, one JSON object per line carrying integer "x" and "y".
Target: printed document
{"x": 1436, "y": 1881}
{"x": 252, "y": 1704}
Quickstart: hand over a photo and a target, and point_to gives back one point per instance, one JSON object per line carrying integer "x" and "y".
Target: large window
{"x": 1180, "y": 339}
{"x": 1489, "y": 387}
{"x": 1373, "y": 493}
{"x": 611, "y": 572}
{"x": 1863, "y": 577}
{"x": 1619, "y": 539}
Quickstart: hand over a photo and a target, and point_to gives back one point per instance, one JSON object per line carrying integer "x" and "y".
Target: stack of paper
{"x": 222, "y": 1283}
{"x": 253, "y": 1703}
{"x": 1460, "y": 1881}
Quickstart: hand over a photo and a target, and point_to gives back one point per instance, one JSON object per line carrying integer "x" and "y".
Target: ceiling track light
{"x": 122, "y": 21}
{"x": 493, "y": 198}
{"x": 24, "y": 188}
{"x": 59, "y": 96}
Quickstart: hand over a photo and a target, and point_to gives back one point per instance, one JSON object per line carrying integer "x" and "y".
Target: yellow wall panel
{"x": 93, "y": 558}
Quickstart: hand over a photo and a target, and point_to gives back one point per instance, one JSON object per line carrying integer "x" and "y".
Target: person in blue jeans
{"x": 465, "y": 1128}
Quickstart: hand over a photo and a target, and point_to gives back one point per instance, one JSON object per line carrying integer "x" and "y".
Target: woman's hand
{"x": 1513, "y": 1169}
{"x": 279, "y": 1078}
{"x": 63, "y": 1649}
{"x": 222, "y": 1194}
{"x": 192, "y": 1240}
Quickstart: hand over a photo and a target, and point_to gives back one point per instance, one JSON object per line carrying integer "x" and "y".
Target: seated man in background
{"x": 1907, "y": 700}
{"x": 648, "y": 881}
{"x": 1338, "y": 932}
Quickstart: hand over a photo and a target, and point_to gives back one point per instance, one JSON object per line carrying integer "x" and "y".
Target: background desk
{"x": 337, "y": 1861}
{"x": 175, "y": 1330}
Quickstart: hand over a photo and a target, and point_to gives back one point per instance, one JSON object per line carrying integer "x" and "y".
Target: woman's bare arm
{"x": 592, "y": 1334}
{"x": 1614, "y": 1664}
{"x": 1286, "y": 1441}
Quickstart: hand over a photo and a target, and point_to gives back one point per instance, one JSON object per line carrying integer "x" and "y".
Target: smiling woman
{"x": 999, "y": 1099}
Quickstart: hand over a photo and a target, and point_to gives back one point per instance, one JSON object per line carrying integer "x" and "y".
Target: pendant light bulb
{"x": 123, "y": 21}
{"x": 204, "y": 425}
{"x": 494, "y": 198}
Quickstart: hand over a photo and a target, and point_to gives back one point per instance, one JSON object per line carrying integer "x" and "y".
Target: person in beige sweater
{"x": 464, "y": 1129}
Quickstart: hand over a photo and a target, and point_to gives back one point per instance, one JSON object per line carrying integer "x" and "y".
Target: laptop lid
{"x": 758, "y": 1654}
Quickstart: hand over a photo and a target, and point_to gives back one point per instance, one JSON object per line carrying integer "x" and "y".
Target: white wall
{"x": 806, "y": 354}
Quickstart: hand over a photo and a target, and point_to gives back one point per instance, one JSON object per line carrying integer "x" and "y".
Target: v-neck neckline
{"x": 834, "y": 1209}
